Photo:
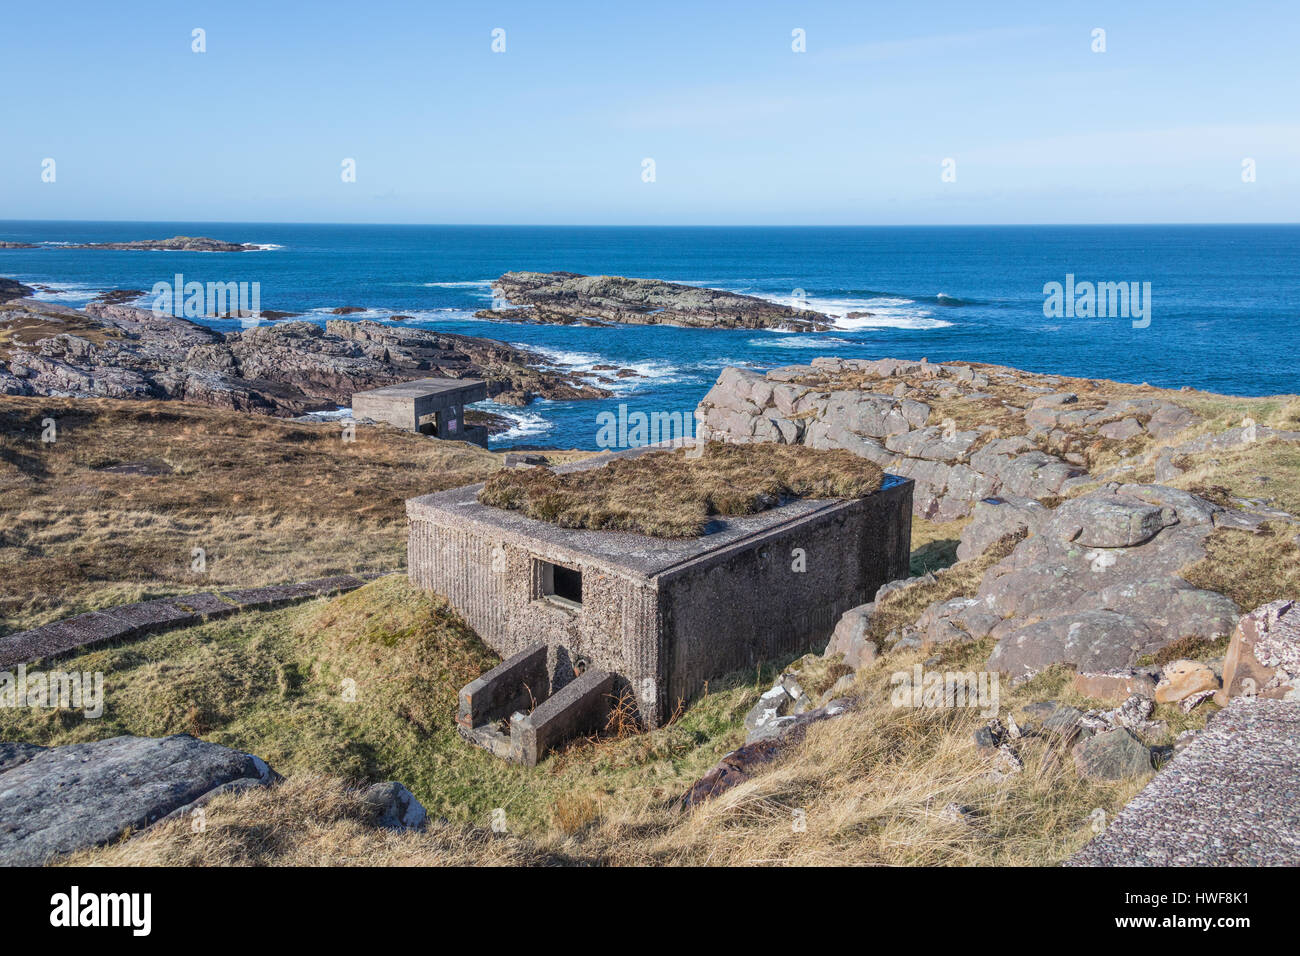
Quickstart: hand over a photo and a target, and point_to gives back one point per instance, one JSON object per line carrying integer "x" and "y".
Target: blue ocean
{"x": 1224, "y": 304}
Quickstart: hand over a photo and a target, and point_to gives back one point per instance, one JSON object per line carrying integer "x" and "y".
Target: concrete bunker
{"x": 430, "y": 406}
{"x": 649, "y": 620}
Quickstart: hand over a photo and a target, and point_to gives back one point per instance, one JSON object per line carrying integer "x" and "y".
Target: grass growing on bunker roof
{"x": 673, "y": 495}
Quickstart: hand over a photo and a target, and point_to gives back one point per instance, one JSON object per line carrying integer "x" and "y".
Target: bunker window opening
{"x": 562, "y": 583}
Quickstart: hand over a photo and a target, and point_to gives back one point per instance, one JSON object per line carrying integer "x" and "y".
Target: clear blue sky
{"x": 742, "y": 129}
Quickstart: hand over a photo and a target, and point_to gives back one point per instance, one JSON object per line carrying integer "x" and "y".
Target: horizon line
{"x": 580, "y": 225}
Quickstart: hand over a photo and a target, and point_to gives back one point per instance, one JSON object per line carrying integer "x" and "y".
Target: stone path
{"x": 1231, "y": 798}
{"x": 145, "y": 617}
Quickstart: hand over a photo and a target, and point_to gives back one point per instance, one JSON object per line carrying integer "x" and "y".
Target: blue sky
{"x": 742, "y": 130}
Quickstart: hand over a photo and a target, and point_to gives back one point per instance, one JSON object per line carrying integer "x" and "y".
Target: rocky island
{"x": 114, "y": 351}
{"x": 174, "y": 244}
{"x": 567, "y": 298}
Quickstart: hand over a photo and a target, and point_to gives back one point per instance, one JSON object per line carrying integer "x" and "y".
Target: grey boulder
{"x": 64, "y": 799}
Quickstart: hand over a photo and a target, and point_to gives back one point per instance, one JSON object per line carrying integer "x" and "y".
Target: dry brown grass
{"x": 672, "y": 495}
{"x": 308, "y": 821}
{"x": 1252, "y": 569}
{"x": 904, "y": 606}
{"x": 871, "y": 786}
{"x": 269, "y": 501}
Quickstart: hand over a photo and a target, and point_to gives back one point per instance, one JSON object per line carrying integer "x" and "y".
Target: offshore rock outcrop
{"x": 567, "y": 298}
{"x": 174, "y": 244}
{"x": 291, "y": 368}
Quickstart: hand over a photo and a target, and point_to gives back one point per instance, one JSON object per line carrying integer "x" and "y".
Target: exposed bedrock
{"x": 567, "y": 297}
{"x": 1096, "y": 584}
{"x": 963, "y": 433}
{"x": 114, "y": 351}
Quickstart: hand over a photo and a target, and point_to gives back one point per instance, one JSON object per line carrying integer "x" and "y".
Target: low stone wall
{"x": 144, "y": 617}
{"x": 517, "y": 683}
{"x": 581, "y": 707}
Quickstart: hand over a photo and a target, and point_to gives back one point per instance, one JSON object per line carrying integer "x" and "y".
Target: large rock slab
{"x": 1109, "y": 521}
{"x": 1102, "y": 607}
{"x": 1263, "y": 658}
{"x": 850, "y": 637}
{"x": 995, "y": 518}
{"x": 1228, "y": 799}
{"x": 80, "y": 796}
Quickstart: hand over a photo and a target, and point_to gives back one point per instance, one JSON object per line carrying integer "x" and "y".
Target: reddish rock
{"x": 1183, "y": 679}
{"x": 1264, "y": 657}
{"x": 1115, "y": 685}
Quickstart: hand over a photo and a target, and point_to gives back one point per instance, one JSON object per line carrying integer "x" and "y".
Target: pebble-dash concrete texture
{"x": 1231, "y": 798}
{"x": 663, "y": 615}
{"x": 145, "y": 617}
{"x": 433, "y": 406}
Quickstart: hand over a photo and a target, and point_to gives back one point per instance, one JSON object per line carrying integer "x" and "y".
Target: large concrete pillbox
{"x": 664, "y": 616}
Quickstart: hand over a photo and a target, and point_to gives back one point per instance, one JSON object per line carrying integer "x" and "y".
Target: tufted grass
{"x": 673, "y": 495}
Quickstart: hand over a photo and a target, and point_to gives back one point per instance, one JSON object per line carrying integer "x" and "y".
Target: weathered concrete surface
{"x": 517, "y": 683}
{"x": 666, "y": 615}
{"x": 144, "y": 617}
{"x": 410, "y": 405}
{"x": 64, "y": 799}
{"x": 1231, "y": 798}
{"x": 580, "y": 707}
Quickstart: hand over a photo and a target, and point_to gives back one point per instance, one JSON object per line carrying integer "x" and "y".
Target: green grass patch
{"x": 363, "y": 687}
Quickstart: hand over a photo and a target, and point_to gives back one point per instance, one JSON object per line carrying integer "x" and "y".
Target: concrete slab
{"x": 207, "y": 605}
{"x": 1231, "y": 798}
{"x": 640, "y": 554}
{"x": 517, "y": 683}
{"x": 580, "y": 707}
{"x": 142, "y": 617}
{"x": 146, "y": 616}
{"x": 60, "y": 637}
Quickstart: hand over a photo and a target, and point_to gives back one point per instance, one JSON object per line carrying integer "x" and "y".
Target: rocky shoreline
{"x": 289, "y": 369}
{"x": 569, "y": 298}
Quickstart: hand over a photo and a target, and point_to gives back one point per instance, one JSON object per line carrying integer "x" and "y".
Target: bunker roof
{"x": 447, "y": 389}
{"x": 641, "y": 555}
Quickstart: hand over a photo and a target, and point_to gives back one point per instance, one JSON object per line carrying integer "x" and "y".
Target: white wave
{"x": 573, "y": 360}
{"x": 327, "y": 312}
{"x": 62, "y": 291}
{"x": 879, "y": 320}
{"x": 468, "y": 284}
{"x": 525, "y": 424}
{"x": 263, "y": 246}
{"x": 887, "y": 312}
{"x": 649, "y": 371}
{"x": 799, "y": 342}
{"x": 338, "y": 414}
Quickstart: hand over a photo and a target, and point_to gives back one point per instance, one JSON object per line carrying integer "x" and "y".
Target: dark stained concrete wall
{"x": 729, "y": 611}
